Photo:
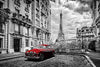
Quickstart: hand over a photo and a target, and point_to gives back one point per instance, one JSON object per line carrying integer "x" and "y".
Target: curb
{"x": 91, "y": 62}
{"x": 7, "y": 58}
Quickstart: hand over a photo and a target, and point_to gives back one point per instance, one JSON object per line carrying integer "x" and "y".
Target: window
{"x": 27, "y": 8}
{"x": 87, "y": 30}
{"x": 21, "y": 29}
{"x": 37, "y": 4}
{"x": 1, "y": 28}
{"x": 0, "y": 42}
{"x": 17, "y": 28}
{"x": 26, "y": 30}
{"x": 37, "y": 22}
{"x": 45, "y": 25}
{"x": 24, "y": 1}
{"x": 17, "y": 2}
{"x": 31, "y": 43}
{"x": 27, "y": 41}
{"x": 18, "y": 12}
{"x": 37, "y": 14}
{"x": 53, "y": 0}
{"x": 1, "y": 5}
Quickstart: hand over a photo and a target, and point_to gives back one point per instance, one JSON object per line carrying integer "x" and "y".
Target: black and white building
{"x": 24, "y": 24}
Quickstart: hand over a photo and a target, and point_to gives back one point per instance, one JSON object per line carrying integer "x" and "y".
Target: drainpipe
{"x": 7, "y": 29}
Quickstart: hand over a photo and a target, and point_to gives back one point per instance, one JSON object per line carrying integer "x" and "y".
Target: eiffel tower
{"x": 60, "y": 39}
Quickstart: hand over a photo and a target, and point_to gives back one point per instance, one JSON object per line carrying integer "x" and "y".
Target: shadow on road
{"x": 37, "y": 60}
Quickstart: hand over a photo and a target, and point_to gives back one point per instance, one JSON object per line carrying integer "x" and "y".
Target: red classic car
{"x": 40, "y": 52}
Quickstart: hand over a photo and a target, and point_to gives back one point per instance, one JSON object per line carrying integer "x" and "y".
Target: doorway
{"x": 1, "y": 43}
{"x": 92, "y": 45}
{"x": 16, "y": 45}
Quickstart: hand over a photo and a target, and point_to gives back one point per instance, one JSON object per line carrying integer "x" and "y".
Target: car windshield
{"x": 41, "y": 46}
{"x": 44, "y": 47}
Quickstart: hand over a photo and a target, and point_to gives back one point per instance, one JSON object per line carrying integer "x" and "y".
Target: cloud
{"x": 85, "y": 1}
{"x": 77, "y": 6}
{"x": 71, "y": 5}
{"x": 82, "y": 9}
{"x": 72, "y": 19}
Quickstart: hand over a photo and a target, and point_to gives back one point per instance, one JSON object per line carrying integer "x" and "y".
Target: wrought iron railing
{"x": 21, "y": 18}
{"x": 3, "y": 15}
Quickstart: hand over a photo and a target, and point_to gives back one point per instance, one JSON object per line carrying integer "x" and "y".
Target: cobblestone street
{"x": 57, "y": 61}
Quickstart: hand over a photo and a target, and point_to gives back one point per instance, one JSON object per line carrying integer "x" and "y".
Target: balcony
{"x": 17, "y": 2}
{"x": 28, "y": 1}
{"x": 27, "y": 9}
{"x": 28, "y": 20}
{"x": 15, "y": 15}
{"x": 19, "y": 17}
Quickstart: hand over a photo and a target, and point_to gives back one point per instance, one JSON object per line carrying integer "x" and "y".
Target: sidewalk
{"x": 10, "y": 56}
{"x": 95, "y": 57}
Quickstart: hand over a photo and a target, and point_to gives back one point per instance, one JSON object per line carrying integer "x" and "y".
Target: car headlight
{"x": 31, "y": 52}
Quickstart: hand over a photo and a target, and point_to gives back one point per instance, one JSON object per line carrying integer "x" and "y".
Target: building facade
{"x": 84, "y": 36}
{"x": 4, "y": 17}
{"x": 95, "y": 8}
{"x": 27, "y": 26}
{"x": 41, "y": 16}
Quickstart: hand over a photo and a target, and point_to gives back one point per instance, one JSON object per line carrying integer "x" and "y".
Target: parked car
{"x": 40, "y": 52}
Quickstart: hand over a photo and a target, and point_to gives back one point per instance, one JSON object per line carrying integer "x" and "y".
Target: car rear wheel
{"x": 41, "y": 56}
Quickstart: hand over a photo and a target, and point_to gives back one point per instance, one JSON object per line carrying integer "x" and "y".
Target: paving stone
{"x": 58, "y": 61}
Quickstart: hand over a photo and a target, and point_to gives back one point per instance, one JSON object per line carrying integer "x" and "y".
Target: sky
{"x": 75, "y": 15}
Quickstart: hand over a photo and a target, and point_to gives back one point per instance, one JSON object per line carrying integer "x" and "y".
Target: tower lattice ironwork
{"x": 61, "y": 38}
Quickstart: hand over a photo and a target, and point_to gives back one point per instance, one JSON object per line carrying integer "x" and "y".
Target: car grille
{"x": 30, "y": 54}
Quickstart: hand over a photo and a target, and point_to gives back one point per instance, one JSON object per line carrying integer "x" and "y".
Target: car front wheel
{"x": 41, "y": 56}
{"x": 29, "y": 59}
